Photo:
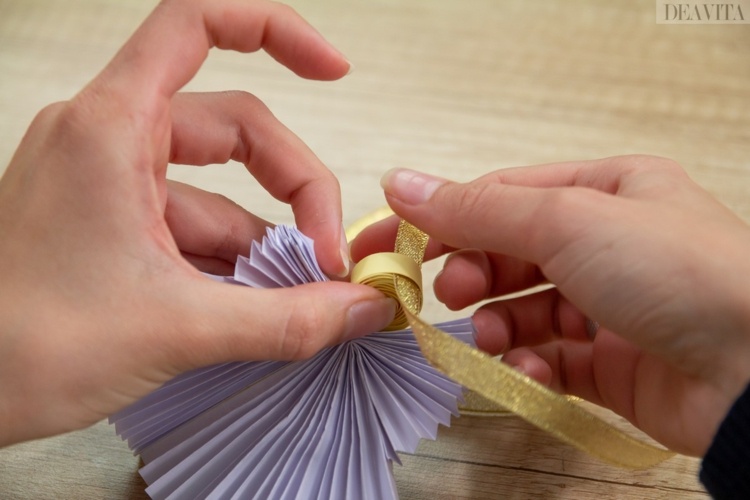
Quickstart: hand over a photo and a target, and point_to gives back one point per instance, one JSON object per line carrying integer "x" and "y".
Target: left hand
{"x": 98, "y": 304}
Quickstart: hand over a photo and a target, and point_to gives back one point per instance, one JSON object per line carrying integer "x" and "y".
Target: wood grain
{"x": 454, "y": 88}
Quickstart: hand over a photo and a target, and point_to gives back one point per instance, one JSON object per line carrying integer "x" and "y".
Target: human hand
{"x": 98, "y": 304}
{"x": 630, "y": 242}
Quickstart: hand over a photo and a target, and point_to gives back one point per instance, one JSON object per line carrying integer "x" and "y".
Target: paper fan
{"x": 328, "y": 427}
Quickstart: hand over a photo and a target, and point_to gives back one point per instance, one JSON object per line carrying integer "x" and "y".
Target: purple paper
{"x": 328, "y": 427}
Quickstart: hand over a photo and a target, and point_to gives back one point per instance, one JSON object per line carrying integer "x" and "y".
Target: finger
{"x": 565, "y": 367}
{"x": 528, "y": 362}
{"x": 466, "y": 278}
{"x": 130, "y": 99}
{"x": 210, "y": 230}
{"x": 603, "y": 372}
{"x": 610, "y": 175}
{"x": 531, "y": 223}
{"x": 211, "y": 265}
{"x": 217, "y": 127}
{"x": 529, "y": 320}
{"x": 169, "y": 47}
{"x": 381, "y": 237}
{"x": 469, "y": 276}
{"x": 220, "y": 322}
{"x": 519, "y": 221}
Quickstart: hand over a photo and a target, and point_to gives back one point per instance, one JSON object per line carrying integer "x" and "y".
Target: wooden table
{"x": 454, "y": 88}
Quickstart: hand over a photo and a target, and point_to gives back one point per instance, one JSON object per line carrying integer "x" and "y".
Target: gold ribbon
{"x": 378, "y": 270}
{"x": 495, "y": 382}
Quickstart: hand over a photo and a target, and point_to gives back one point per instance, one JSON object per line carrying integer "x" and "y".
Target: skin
{"x": 99, "y": 302}
{"x": 630, "y": 242}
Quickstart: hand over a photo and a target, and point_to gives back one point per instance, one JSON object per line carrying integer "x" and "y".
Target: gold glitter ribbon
{"x": 378, "y": 271}
{"x": 497, "y": 383}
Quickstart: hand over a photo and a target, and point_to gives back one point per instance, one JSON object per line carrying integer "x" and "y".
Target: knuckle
{"x": 62, "y": 124}
{"x": 561, "y": 203}
{"x": 70, "y": 116}
{"x": 560, "y": 216}
{"x": 244, "y": 102}
{"x": 641, "y": 163}
{"x": 328, "y": 180}
{"x": 48, "y": 115}
{"x": 74, "y": 120}
{"x": 284, "y": 9}
{"x": 653, "y": 175}
{"x": 302, "y": 336}
{"x": 233, "y": 242}
{"x": 474, "y": 202}
{"x": 247, "y": 112}
{"x": 318, "y": 180}
{"x": 668, "y": 166}
{"x": 473, "y": 197}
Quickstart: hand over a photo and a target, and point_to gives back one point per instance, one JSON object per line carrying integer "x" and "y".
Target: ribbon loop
{"x": 381, "y": 271}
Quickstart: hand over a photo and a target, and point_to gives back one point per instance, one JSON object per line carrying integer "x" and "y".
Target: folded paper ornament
{"x": 328, "y": 427}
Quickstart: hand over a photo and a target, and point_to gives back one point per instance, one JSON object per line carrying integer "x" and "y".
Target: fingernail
{"x": 494, "y": 334}
{"x": 520, "y": 369}
{"x": 369, "y": 316}
{"x": 435, "y": 285}
{"x": 592, "y": 327}
{"x": 351, "y": 67}
{"x": 410, "y": 187}
{"x": 344, "y": 253}
{"x": 474, "y": 332}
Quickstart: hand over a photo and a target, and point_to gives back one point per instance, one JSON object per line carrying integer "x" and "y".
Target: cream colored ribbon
{"x": 494, "y": 382}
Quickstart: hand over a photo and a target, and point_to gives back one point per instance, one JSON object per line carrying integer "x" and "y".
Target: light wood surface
{"x": 454, "y": 88}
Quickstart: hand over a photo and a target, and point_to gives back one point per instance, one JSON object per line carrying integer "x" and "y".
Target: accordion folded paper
{"x": 328, "y": 427}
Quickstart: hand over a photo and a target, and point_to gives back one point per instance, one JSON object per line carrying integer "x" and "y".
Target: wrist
{"x": 9, "y": 403}
{"x": 740, "y": 357}
{"x": 17, "y": 317}
{"x": 732, "y": 370}
{"x": 740, "y": 350}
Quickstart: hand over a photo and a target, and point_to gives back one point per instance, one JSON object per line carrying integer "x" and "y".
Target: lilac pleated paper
{"x": 328, "y": 427}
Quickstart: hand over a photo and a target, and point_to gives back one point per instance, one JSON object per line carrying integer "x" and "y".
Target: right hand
{"x": 630, "y": 242}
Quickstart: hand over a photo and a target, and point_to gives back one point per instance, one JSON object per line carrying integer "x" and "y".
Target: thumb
{"x": 222, "y": 322}
{"x": 514, "y": 220}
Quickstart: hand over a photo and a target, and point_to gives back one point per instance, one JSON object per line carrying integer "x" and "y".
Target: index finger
{"x": 165, "y": 53}
{"x": 216, "y": 127}
{"x": 529, "y": 213}
{"x": 169, "y": 47}
{"x": 379, "y": 237}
